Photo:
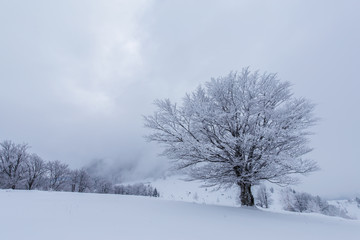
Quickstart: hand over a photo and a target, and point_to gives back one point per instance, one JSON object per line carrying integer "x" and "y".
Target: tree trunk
{"x": 247, "y": 199}
{"x": 30, "y": 184}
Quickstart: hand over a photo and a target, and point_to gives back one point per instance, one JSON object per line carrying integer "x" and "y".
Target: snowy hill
{"x": 351, "y": 207}
{"x": 175, "y": 188}
{"x": 56, "y": 215}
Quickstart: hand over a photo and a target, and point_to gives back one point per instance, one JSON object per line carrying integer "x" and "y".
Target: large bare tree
{"x": 239, "y": 129}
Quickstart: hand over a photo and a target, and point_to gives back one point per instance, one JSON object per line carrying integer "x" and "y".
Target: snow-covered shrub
{"x": 305, "y": 202}
{"x": 287, "y": 199}
{"x": 332, "y": 210}
{"x": 301, "y": 201}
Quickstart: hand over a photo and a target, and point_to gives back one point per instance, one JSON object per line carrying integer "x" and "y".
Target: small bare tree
{"x": 241, "y": 129}
{"x": 13, "y": 158}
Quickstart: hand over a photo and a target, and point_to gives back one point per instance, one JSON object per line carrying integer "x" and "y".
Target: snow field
{"x": 62, "y": 215}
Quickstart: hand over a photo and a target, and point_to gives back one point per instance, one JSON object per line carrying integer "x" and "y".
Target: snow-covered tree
{"x": 74, "y": 180}
{"x": 58, "y": 175}
{"x": 13, "y": 158}
{"x": 239, "y": 129}
{"x": 84, "y": 181}
{"x": 102, "y": 185}
{"x": 34, "y": 171}
{"x": 301, "y": 201}
{"x": 156, "y": 193}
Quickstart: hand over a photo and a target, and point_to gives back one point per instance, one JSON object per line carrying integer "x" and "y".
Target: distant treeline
{"x": 20, "y": 169}
{"x": 136, "y": 189}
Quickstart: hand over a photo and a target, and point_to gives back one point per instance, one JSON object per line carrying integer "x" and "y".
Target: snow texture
{"x": 62, "y": 215}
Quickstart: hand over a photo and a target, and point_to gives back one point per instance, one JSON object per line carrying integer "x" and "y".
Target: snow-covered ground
{"x": 351, "y": 207}
{"x": 175, "y": 188}
{"x": 61, "y": 215}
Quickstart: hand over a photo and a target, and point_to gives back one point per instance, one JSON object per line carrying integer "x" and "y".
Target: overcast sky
{"x": 77, "y": 76}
